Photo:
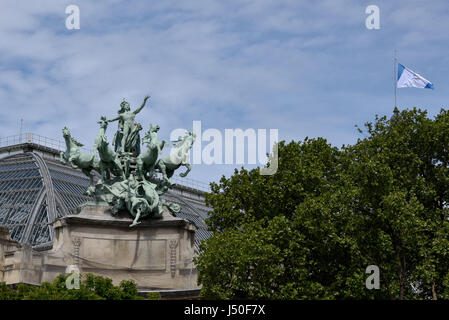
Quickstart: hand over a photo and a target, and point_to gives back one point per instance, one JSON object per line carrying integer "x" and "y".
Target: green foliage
{"x": 91, "y": 287}
{"x": 153, "y": 296}
{"x": 7, "y": 293}
{"x": 310, "y": 230}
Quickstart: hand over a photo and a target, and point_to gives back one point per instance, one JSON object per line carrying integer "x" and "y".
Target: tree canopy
{"x": 91, "y": 287}
{"x": 310, "y": 230}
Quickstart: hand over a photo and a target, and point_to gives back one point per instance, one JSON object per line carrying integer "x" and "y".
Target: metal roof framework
{"x": 34, "y": 193}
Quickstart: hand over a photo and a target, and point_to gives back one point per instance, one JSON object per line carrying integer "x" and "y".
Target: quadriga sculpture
{"x": 128, "y": 177}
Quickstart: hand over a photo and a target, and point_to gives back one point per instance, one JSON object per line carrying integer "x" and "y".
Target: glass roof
{"x": 20, "y": 187}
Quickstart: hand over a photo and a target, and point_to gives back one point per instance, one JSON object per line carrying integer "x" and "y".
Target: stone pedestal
{"x": 7, "y": 249}
{"x": 157, "y": 253}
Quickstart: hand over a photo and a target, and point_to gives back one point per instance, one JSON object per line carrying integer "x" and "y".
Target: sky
{"x": 305, "y": 68}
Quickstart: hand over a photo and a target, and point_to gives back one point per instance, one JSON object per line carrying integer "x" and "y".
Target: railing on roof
{"x": 194, "y": 184}
{"x": 36, "y": 139}
{"x": 60, "y": 145}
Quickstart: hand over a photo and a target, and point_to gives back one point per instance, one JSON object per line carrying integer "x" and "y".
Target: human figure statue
{"x": 136, "y": 204}
{"x": 127, "y": 137}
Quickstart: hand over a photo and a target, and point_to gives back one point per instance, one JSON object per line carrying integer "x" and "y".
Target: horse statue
{"x": 180, "y": 157}
{"x": 109, "y": 162}
{"x": 146, "y": 160}
{"x": 79, "y": 160}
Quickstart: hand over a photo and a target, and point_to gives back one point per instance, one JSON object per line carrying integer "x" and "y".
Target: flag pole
{"x": 394, "y": 78}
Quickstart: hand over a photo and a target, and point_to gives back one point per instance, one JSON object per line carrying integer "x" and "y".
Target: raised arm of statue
{"x": 114, "y": 119}
{"x": 143, "y": 105}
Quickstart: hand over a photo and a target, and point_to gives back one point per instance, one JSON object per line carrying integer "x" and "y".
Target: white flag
{"x": 409, "y": 78}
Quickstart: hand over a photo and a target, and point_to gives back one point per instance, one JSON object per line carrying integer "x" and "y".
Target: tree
{"x": 310, "y": 230}
{"x": 92, "y": 287}
{"x": 401, "y": 173}
{"x": 277, "y": 236}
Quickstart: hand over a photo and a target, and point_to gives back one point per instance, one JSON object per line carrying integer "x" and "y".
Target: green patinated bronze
{"x": 77, "y": 159}
{"x": 127, "y": 138}
{"x": 168, "y": 165}
{"x": 128, "y": 176}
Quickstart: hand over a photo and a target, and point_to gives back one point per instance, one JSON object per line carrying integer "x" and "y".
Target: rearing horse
{"x": 109, "y": 161}
{"x": 147, "y": 159}
{"x": 77, "y": 159}
{"x": 180, "y": 157}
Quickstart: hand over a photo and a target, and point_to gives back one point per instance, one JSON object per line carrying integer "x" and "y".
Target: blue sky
{"x": 306, "y": 68}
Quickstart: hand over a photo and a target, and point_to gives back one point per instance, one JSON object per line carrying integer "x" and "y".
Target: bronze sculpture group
{"x": 129, "y": 178}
